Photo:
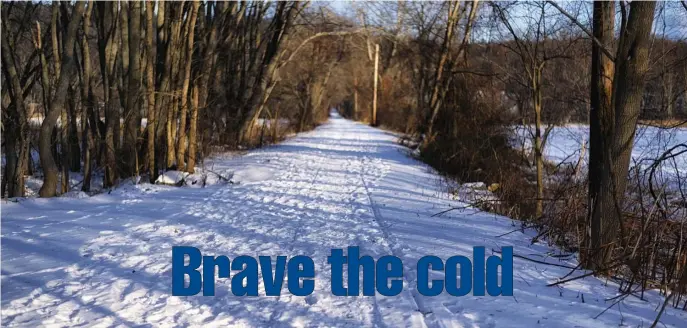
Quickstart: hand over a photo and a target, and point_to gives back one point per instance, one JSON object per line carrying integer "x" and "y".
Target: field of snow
{"x": 106, "y": 260}
{"x": 565, "y": 141}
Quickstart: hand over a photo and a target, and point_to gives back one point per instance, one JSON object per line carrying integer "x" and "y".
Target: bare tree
{"x": 150, "y": 85}
{"x": 132, "y": 110}
{"x": 442, "y": 84}
{"x": 17, "y": 124}
{"x": 283, "y": 16}
{"x": 89, "y": 117}
{"x": 615, "y": 133}
{"x": 48, "y": 189}
{"x": 189, "y": 36}
{"x": 600, "y": 115}
{"x": 535, "y": 51}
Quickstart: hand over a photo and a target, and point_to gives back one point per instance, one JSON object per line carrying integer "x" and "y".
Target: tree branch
{"x": 605, "y": 50}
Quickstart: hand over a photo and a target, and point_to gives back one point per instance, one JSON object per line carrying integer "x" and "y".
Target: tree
{"x": 106, "y": 25}
{"x": 89, "y": 117}
{"x": 48, "y": 189}
{"x": 189, "y": 36}
{"x": 267, "y": 63}
{"x": 200, "y": 93}
{"x": 150, "y": 85}
{"x": 441, "y": 84}
{"x": 600, "y": 118}
{"x": 16, "y": 124}
{"x": 132, "y": 109}
{"x": 535, "y": 52}
{"x": 612, "y": 139}
{"x": 172, "y": 61}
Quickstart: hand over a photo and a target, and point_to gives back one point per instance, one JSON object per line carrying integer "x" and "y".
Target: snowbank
{"x": 172, "y": 178}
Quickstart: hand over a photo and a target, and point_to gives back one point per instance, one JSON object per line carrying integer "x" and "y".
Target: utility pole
{"x": 374, "y": 98}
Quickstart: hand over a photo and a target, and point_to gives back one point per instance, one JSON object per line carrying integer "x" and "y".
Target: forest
{"x": 98, "y": 94}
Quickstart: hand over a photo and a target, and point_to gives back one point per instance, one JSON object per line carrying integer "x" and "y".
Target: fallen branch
{"x": 536, "y": 261}
{"x": 221, "y": 177}
{"x": 582, "y": 276}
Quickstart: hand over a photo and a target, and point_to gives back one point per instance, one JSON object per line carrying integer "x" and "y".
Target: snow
{"x": 75, "y": 194}
{"x": 564, "y": 142}
{"x": 252, "y": 175}
{"x": 171, "y": 177}
{"x": 106, "y": 260}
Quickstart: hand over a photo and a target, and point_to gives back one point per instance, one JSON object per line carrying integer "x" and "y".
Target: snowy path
{"x": 106, "y": 260}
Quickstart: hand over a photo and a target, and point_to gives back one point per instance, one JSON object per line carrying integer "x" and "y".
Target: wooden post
{"x": 373, "y": 122}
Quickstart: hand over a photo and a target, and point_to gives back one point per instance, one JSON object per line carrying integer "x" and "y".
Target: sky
{"x": 671, "y": 16}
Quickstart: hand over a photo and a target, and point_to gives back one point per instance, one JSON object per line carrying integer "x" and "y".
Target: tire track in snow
{"x": 410, "y": 279}
{"x": 292, "y": 247}
{"x": 352, "y": 164}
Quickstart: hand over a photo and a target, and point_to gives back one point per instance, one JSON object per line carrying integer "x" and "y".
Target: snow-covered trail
{"x": 106, "y": 260}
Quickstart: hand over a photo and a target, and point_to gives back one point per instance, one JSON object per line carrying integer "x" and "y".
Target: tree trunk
{"x": 628, "y": 82}
{"x": 132, "y": 111}
{"x": 107, "y": 50}
{"x": 173, "y": 58}
{"x": 275, "y": 124}
{"x": 192, "y": 134}
{"x": 16, "y": 136}
{"x": 373, "y": 120}
{"x": 538, "y": 142}
{"x": 161, "y": 73}
{"x": 268, "y": 65}
{"x": 453, "y": 16}
{"x": 90, "y": 127}
{"x": 355, "y": 98}
{"x": 150, "y": 84}
{"x": 47, "y": 161}
{"x": 74, "y": 150}
{"x": 600, "y": 123}
{"x": 190, "y": 31}
{"x": 199, "y": 100}
{"x": 54, "y": 30}
{"x": 122, "y": 81}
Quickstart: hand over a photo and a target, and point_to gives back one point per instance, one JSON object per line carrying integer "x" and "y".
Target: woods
{"x": 160, "y": 77}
